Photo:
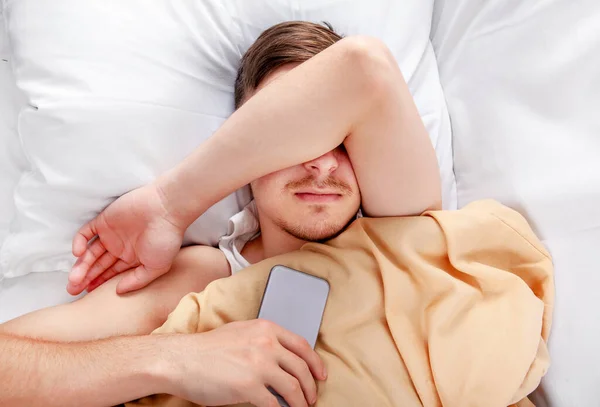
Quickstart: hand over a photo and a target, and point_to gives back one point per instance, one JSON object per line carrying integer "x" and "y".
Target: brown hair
{"x": 292, "y": 41}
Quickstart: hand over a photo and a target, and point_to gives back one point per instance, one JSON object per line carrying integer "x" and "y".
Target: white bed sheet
{"x": 22, "y": 295}
{"x": 487, "y": 52}
{"x": 78, "y": 102}
{"x": 162, "y": 72}
{"x": 522, "y": 83}
{"x": 12, "y": 161}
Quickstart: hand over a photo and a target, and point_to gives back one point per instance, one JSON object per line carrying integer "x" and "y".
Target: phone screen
{"x": 295, "y": 301}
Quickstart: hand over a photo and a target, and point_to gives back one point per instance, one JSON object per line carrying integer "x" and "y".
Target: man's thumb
{"x": 139, "y": 278}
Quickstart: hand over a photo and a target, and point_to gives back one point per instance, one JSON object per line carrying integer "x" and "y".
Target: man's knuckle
{"x": 292, "y": 389}
{"x": 300, "y": 343}
{"x": 294, "y": 386}
{"x": 264, "y": 325}
{"x": 264, "y": 342}
{"x": 303, "y": 343}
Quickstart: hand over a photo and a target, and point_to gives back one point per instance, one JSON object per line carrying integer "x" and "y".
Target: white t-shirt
{"x": 243, "y": 227}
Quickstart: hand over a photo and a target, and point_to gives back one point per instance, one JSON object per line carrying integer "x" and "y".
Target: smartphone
{"x": 295, "y": 301}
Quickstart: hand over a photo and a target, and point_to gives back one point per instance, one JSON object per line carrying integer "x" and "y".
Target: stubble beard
{"x": 325, "y": 230}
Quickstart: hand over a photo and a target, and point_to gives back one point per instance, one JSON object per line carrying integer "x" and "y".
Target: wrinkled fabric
{"x": 449, "y": 308}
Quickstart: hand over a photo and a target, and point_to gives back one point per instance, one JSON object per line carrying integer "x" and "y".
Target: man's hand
{"x": 237, "y": 362}
{"x": 134, "y": 232}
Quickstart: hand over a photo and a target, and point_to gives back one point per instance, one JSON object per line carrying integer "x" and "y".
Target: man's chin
{"x": 321, "y": 233}
{"x": 316, "y": 237}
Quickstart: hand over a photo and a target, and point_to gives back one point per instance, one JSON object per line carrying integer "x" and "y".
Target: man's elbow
{"x": 373, "y": 63}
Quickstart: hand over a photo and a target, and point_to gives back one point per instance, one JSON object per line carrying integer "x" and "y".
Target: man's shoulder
{"x": 204, "y": 258}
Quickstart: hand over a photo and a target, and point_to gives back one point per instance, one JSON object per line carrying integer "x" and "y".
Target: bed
{"x": 509, "y": 91}
{"x": 522, "y": 85}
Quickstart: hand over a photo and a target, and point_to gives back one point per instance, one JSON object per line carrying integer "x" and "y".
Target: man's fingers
{"x": 287, "y": 387}
{"x": 103, "y": 263}
{"x": 264, "y": 398}
{"x": 74, "y": 289}
{"x": 298, "y": 368}
{"x": 82, "y": 266}
{"x": 83, "y": 236}
{"x": 298, "y": 345}
{"x": 119, "y": 267}
{"x": 107, "y": 275}
{"x": 138, "y": 278}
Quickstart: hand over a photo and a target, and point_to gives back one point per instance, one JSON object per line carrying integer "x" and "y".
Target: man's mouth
{"x": 317, "y": 196}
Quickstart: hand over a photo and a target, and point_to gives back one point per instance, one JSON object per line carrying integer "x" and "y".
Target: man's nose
{"x": 323, "y": 165}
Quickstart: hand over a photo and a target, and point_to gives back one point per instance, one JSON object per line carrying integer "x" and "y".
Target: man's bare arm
{"x": 351, "y": 93}
{"x": 103, "y": 373}
{"x": 103, "y": 313}
{"x": 230, "y": 365}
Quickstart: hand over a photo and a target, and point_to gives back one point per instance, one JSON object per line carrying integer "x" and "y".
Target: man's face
{"x": 312, "y": 201}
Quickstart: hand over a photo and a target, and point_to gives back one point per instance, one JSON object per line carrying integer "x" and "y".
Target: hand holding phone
{"x": 295, "y": 301}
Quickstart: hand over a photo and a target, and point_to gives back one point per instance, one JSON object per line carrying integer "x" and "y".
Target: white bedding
{"x": 12, "y": 161}
{"x": 33, "y": 291}
{"x": 120, "y": 91}
{"x": 522, "y": 83}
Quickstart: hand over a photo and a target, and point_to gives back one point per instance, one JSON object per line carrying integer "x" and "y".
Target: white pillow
{"x": 123, "y": 90}
{"x": 522, "y": 82}
{"x": 12, "y": 161}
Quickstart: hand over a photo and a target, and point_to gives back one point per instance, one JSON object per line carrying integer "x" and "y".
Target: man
{"x": 318, "y": 118}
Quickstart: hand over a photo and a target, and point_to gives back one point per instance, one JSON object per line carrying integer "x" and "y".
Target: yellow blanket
{"x": 448, "y": 308}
